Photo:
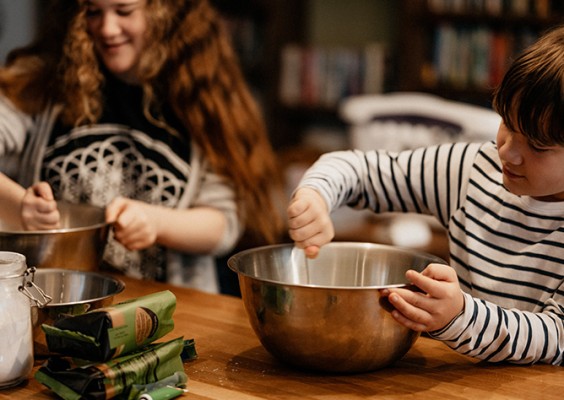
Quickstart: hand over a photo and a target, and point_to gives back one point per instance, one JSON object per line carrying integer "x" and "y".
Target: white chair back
{"x": 403, "y": 120}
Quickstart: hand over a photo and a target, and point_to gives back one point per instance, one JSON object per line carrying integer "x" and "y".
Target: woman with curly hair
{"x": 139, "y": 106}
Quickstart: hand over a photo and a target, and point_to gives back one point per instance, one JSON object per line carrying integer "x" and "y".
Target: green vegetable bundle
{"x": 123, "y": 377}
{"x": 108, "y": 352}
{"x": 109, "y": 332}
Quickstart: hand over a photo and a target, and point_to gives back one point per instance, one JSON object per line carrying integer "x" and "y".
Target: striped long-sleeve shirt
{"x": 507, "y": 250}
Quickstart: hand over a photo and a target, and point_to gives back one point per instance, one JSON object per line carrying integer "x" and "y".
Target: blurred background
{"x": 305, "y": 59}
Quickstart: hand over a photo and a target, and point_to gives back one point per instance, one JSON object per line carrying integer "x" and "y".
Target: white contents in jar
{"x": 16, "y": 348}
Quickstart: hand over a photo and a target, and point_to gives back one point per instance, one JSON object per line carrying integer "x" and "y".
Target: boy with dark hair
{"x": 502, "y": 202}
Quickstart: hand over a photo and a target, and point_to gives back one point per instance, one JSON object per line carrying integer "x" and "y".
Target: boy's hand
{"x": 39, "y": 209}
{"x": 440, "y": 303}
{"x": 309, "y": 223}
{"x": 133, "y": 223}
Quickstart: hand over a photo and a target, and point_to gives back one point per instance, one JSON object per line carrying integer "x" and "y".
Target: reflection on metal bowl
{"x": 79, "y": 244}
{"x": 326, "y": 314}
{"x": 72, "y": 292}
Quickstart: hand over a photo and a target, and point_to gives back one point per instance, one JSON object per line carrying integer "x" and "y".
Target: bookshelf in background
{"x": 313, "y": 81}
{"x": 460, "y": 49}
{"x": 259, "y": 30}
{"x": 263, "y": 31}
{"x": 315, "y": 76}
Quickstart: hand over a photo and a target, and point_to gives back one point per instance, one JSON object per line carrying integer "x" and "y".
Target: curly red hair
{"x": 188, "y": 61}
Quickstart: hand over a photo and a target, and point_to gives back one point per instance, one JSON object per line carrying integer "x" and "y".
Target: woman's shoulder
{"x": 13, "y": 116}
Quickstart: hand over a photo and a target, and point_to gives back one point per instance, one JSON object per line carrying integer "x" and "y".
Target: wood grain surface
{"x": 232, "y": 364}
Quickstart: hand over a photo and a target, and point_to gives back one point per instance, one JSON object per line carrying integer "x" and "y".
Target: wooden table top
{"x": 232, "y": 364}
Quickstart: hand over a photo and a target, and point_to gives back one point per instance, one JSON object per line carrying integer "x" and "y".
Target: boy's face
{"x": 528, "y": 170}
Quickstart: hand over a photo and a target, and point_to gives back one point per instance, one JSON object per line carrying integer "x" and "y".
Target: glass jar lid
{"x": 12, "y": 265}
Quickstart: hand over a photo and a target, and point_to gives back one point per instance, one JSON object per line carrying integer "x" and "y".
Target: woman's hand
{"x": 309, "y": 222}
{"x": 135, "y": 223}
{"x": 39, "y": 209}
{"x": 441, "y": 301}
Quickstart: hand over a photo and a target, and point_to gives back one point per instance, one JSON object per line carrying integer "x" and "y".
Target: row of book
{"x": 522, "y": 8}
{"x": 475, "y": 57}
{"x": 321, "y": 77}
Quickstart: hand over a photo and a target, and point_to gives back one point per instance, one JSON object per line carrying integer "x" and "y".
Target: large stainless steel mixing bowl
{"x": 79, "y": 243}
{"x": 72, "y": 293}
{"x": 326, "y": 314}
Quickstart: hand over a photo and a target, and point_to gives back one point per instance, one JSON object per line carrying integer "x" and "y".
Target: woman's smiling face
{"x": 117, "y": 28}
{"x": 528, "y": 170}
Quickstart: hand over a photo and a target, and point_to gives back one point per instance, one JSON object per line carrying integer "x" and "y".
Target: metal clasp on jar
{"x": 28, "y": 282}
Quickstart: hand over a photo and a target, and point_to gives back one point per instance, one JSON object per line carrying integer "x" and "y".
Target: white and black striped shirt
{"x": 508, "y": 250}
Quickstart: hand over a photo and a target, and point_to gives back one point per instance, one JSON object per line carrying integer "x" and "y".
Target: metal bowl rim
{"x": 120, "y": 285}
{"x": 54, "y": 231}
{"x": 333, "y": 244}
{"x": 10, "y": 232}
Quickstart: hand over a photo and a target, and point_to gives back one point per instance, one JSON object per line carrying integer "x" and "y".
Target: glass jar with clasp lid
{"x": 16, "y": 333}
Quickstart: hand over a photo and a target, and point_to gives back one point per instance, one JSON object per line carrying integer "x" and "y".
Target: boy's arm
{"x": 428, "y": 180}
{"x": 489, "y": 332}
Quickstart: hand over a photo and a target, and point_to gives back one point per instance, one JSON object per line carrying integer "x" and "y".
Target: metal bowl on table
{"x": 79, "y": 244}
{"x": 72, "y": 293}
{"x": 326, "y": 314}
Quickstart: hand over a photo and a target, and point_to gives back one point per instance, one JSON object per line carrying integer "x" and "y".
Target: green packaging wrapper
{"x": 176, "y": 382}
{"x": 125, "y": 377}
{"x": 109, "y": 332}
{"x": 165, "y": 393}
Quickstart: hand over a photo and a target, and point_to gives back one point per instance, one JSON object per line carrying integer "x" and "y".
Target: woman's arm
{"x": 14, "y": 126}
{"x": 210, "y": 226}
{"x": 138, "y": 225}
{"x": 11, "y": 196}
{"x": 31, "y": 209}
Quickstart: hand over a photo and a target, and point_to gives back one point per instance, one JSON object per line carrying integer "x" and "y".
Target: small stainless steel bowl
{"x": 72, "y": 293}
{"x": 79, "y": 244}
{"x": 326, "y": 314}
